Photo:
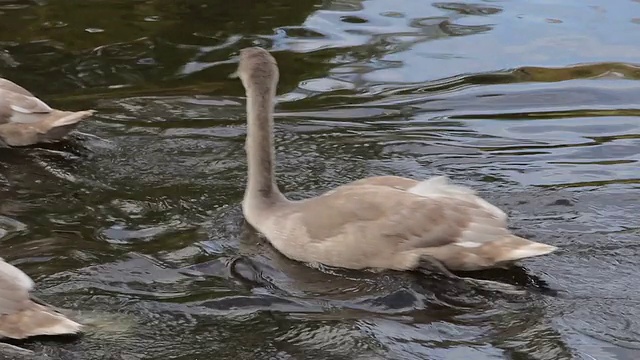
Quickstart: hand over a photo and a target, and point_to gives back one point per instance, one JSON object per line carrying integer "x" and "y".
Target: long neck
{"x": 259, "y": 146}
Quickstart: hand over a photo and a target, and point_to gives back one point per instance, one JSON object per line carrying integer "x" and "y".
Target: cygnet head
{"x": 257, "y": 68}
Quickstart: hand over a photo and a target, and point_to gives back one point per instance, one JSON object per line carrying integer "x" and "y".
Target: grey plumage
{"x": 384, "y": 222}
{"x": 22, "y": 317}
{"x": 27, "y": 120}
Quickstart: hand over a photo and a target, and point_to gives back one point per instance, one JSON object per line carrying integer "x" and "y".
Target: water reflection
{"x": 134, "y": 223}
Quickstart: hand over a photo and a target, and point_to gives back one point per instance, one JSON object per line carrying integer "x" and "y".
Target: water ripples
{"x": 137, "y": 227}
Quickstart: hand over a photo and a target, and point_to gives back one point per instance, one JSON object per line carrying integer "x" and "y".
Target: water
{"x": 132, "y": 223}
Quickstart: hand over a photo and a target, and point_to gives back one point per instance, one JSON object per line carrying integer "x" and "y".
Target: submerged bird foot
{"x": 247, "y": 275}
{"x": 13, "y": 350}
{"x": 494, "y": 286}
{"x": 433, "y": 265}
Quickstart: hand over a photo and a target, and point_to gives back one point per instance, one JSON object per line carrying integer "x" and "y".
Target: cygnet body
{"x": 22, "y": 317}
{"x": 26, "y": 120}
{"x": 384, "y": 222}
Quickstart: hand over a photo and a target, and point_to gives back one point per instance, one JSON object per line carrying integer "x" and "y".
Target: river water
{"x": 131, "y": 223}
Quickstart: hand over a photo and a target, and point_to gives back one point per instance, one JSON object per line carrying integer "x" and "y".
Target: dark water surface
{"x": 132, "y": 223}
